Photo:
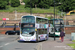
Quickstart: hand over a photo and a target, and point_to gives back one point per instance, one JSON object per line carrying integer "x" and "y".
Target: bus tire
{"x": 36, "y": 41}
{"x": 39, "y": 39}
{"x": 49, "y": 34}
{"x": 45, "y": 38}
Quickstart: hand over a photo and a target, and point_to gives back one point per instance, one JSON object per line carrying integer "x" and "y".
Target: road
{"x": 10, "y": 42}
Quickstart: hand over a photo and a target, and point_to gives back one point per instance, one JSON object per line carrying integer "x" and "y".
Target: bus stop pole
{"x": 54, "y": 20}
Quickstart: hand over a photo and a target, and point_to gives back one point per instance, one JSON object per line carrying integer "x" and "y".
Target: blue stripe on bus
{"x": 21, "y": 40}
{"x": 33, "y": 40}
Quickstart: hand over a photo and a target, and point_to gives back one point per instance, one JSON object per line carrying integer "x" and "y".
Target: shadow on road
{"x": 55, "y": 36}
{"x": 29, "y": 41}
{"x": 26, "y": 41}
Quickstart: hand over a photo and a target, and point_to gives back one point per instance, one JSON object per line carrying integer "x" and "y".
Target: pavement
{"x": 55, "y": 45}
{"x": 46, "y": 45}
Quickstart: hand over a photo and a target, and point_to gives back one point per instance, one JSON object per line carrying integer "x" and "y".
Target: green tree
{"x": 15, "y": 3}
{"x": 44, "y": 4}
{"x": 3, "y": 4}
{"x": 56, "y": 2}
{"x": 67, "y": 5}
{"x": 6, "y": 1}
{"x": 32, "y": 3}
{"x": 38, "y": 3}
{"x": 27, "y": 3}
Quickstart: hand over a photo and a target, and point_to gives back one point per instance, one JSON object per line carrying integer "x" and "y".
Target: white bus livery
{"x": 59, "y": 23}
{"x": 33, "y": 28}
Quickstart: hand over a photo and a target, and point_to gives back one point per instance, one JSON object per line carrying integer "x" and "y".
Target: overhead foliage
{"x": 44, "y": 3}
{"x": 3, "y": 4}
{"x": 15, "y": 3}
{"x": 38, "y": 3}
{"x": 67, "y": 5}
{"x": 32, "y": 3}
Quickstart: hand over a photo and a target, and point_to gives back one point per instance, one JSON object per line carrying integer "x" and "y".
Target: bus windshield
{"x": 59, "y": 21}
{"x": 28, "y": 19}
{"x": 57, "y": 29}
{"x": 28, "y": 31}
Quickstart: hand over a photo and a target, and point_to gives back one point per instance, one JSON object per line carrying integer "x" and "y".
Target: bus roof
{"x": 35, "y": 16}
{"x": 56, "y": 19}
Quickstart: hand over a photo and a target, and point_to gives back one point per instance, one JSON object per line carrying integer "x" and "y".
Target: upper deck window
{"x": 41, "y": 20}
{"x": 28, "y": 19}
{"x": 57, "y": 21}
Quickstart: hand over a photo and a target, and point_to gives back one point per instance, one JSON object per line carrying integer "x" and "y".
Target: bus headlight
{"x": 21, "y": 38}
{"x": 33, "y": 38}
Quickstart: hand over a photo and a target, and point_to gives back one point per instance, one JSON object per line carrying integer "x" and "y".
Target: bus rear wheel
{"x": 45, "y": 38}
{"x": 49, "y": 34}
{"x": 39, "y": 39}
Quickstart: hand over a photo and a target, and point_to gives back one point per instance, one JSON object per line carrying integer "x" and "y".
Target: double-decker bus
{"x": 58, "y": 23}
{"x": 33, "y": 28}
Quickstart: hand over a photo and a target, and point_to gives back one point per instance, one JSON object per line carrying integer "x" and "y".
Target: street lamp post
{"x": 56, "y": 10}
{"x": 65, "y": 20}
{"x": 15, "y": 15}
{"x": 54, "y": 20}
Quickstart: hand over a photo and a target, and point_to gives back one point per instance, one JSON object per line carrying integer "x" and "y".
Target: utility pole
{"x": 56, "y": 10}
{"x": 54, "y": 20}
{"x": 15, "y": 15}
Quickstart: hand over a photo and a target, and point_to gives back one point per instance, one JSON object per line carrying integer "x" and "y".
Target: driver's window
{"x": 52, "y": 29}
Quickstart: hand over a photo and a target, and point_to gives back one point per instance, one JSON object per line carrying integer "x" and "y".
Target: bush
{"x": 15, "y": 3}
{"x": 6, "y": 1}
{"x": 3, "y": 4}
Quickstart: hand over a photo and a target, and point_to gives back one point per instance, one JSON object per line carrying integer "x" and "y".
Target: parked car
{"x": 12, "y": 32}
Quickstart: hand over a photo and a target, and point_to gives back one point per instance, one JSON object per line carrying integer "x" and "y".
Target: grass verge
{"x": 71, "y": 45}
{"x": 73, "y": 41}
{"x": 27, "y": 10}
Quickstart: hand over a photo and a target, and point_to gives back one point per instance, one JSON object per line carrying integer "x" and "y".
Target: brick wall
{"x": 3, "y": 30}
{"x": 69, "y": 30}
{"x": 10, "y": 21}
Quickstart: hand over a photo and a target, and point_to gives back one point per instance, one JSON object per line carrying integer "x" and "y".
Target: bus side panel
{"x": 42, "y": 36}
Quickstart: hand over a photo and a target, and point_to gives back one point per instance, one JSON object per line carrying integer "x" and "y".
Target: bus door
{"x": 51, "y": 30}
{"x": 37, "y": 34}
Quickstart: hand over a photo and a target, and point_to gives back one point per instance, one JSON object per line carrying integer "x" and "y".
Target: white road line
{"x": 1, "y": 46}
{"x": 2, "y": 37}
{"x": 39, "y": 46}
{"x": 7, "y": 43}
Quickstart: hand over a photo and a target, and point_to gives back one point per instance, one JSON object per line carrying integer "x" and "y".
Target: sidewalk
{"x": 56, "y": 45}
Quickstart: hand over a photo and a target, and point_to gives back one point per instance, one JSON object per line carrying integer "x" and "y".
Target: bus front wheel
{"x": 49, "y": 34}
{"x": 45, "y": 38}
{"x": 39, "y": 39}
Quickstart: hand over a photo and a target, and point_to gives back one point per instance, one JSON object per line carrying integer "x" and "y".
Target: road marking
{"x": 1, "y": 46}
{"x": 2, "y": 37}
{"x": 7, "y": 43}
{"x": 39, "y": 46}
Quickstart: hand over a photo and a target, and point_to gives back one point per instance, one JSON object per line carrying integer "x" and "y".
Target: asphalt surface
{"x": 11, "y": 42}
